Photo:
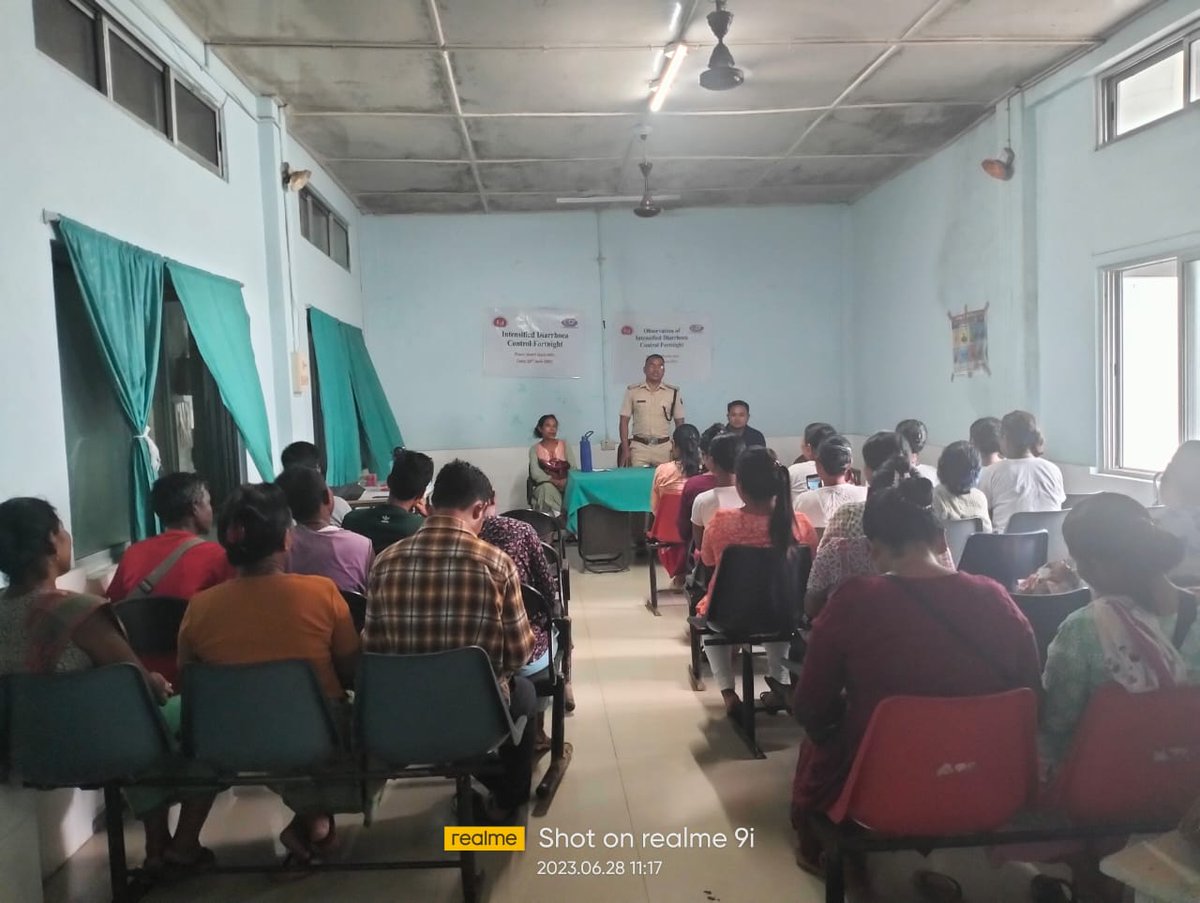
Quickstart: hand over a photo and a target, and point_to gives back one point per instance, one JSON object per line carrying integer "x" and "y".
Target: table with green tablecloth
{"x": 625, "y": 489}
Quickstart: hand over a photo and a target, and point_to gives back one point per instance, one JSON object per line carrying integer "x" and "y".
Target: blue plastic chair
{"x": 958, "y": 532}
{"x": 1005, "y": 557}
{"x": 1051, "y": 522}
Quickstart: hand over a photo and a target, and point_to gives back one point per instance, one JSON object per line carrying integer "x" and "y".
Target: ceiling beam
{"x": 425, "y": 47}
{"x": 456, "y": 101}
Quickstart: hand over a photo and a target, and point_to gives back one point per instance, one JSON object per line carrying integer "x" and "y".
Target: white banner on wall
{"x": 534, "y": 342}
{"x": 683, "y": 339}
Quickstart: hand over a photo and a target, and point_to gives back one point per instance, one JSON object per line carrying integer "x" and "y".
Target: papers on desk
{"x": 1165, "y": 869}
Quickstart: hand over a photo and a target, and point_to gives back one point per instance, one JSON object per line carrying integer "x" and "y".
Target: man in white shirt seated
{"x": 834, "y": 460}
{"x": 917, "y": 435}
{"x": 814, "y": 435}
{"x": 723, "y": 453}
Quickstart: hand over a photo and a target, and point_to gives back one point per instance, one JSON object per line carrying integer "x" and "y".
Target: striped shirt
{"x": 445, "y": 588}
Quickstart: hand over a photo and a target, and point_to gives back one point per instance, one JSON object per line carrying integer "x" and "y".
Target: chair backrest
{"x": 268, "y": 716}
{"x": 536, "y": 602}
{"x": 929, "y": 765}
{"x": 84, "y": 728}
{"x": 432, "y": 708}
{"x": 1135, "y": 757}
{"x": 152, "y": 624}
{"x": 1005, "y": 557}
{"x": 357, "y": 603}
{"x": 666, "y": 519}
{"x": 957, "y": 532}
{"x": 539, "y": 520}
{"x": 757, "y": 593}
{"x": 1045, "y": 612}
{"x": 1051, "y": 522}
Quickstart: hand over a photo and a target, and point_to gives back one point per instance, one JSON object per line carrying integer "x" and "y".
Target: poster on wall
{"x": 534, "y": 342}
{"x": 969, "y": 338}
{"x": 683, "y": 339}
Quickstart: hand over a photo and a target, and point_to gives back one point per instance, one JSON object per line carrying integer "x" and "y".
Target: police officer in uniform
{"x": 650, "y": 412}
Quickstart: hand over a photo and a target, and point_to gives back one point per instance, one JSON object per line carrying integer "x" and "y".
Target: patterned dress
{"x": 524, "y": 547}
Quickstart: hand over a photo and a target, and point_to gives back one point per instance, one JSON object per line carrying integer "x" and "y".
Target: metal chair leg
{"x": 114, "y": 826}
{"x": 835, "y": 876}
{"x": 652, "y": 602}
{"x": 466, "y": 858}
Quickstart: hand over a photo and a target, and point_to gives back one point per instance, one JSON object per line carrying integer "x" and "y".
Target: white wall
{"x": 943, "y": 236}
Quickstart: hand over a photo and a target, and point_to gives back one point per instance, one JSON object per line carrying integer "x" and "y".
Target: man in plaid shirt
{"x": 445, "y": 588}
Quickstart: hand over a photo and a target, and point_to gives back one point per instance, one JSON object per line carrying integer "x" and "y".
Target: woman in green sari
{"x": 550, "y": 460}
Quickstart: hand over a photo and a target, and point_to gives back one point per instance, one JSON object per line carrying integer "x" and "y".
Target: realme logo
{"x": 953, "y": 768}
{"x": 481, "y": 839}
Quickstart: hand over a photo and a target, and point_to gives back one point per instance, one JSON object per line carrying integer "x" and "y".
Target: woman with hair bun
{"x": 1139, "y": 630}
{"x": 550, "y": 460}
{"x": 919, "y": 629}
{"x": 1023, "y": 480}
{"x": 267, "y": 615}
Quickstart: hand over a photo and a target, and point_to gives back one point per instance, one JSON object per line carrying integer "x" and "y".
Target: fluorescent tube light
{"x": 668, "y": 78}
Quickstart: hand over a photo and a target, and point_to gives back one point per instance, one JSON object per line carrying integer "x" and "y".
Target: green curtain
{"x": 122, "y": 288}
{"x": 342, "y": 450}
{"x": 379, "y": 425}
{"x": 217, "y": 316}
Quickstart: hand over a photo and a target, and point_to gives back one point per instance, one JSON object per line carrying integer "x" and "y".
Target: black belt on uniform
{"x": 651, "y": 440}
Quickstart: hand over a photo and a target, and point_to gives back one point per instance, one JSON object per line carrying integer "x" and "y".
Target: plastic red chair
{"x": 1135, "y": 758}
{"x": 663, "y": 537}
{"x": 938, "y": 766}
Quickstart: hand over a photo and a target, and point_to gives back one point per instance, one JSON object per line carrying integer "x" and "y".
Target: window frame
{"x": 107, "y": 23}
{"x": 309, "y": 199}
{"x": 1111, "y": 359}
{"x": 1108, "y": 81}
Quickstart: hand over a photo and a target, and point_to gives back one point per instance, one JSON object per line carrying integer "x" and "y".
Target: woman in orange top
{"x": 685, "y": 463}
{"x": 766, "y": 520}
{"x": 266, "y": 615}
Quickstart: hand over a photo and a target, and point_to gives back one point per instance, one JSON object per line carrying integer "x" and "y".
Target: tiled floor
{"x": 650, "y": 755}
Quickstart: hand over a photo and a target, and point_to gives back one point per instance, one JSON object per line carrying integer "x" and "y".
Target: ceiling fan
{"x": 647, "y": 203}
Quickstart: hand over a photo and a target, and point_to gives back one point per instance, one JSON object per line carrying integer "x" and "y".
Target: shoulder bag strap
{"x": 1185, "y": 619}
{"x": 949, "y": 627}
{"x": 146, "y": 585}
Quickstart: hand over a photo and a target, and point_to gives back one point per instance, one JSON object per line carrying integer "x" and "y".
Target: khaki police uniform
{"x": 651, "y": 422}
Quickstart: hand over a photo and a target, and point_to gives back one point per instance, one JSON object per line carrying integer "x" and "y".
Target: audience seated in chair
{"x": 806, "y": 465}
{"x": 178, "y": 562}
{"x": 985, "y": 437}
{"x": 1139, "y": 628}
{"x": 45, "y": 630}
{"x": 737, "y": 416}
{"x": 833, "y": 461}
{"x": 701, "y": 482}
{"x": 521, "y": 543}
{"x": 956, "y": 496}
{"x": 318, "y": 545}
{"x": 1023, "y": 480}
{"x": 723, "y": 457}
{"x": 550, "y": 461}
{"x": 916, "y": 434}
{"x": 921, "y": 630}
{"x": 266, "y": 614}
{"x": 1179, "y": 493}
{"x": 684, "y": 464}
{"x": 404, "y": 512}
{"x": 446, "y": 588}
{"x": 305, "y": 454}
{"x": 766, "y": 520}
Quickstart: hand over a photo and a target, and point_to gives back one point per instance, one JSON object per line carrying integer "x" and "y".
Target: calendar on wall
{"x": 969, "y": 338}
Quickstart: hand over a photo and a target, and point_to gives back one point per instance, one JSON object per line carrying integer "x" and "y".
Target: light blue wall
{"x": 943, "y": 235}
{"x": 771, "y": 281}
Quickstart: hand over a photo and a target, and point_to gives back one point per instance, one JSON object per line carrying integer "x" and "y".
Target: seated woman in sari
{"x": 265, "y": 615}
{"x": 549, "y": 463}
{"x": 44, "y": 630}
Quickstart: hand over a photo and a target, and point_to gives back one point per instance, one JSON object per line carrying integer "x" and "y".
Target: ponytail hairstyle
{"x": 1021, "y": 436}
{"x": 687, "y": 444}
{"x": 958, "y": 467}
{"x": 709, "y": 435}
{"x": 902, "y": 514}
{"x": 897, "y": 469}
{"x": 254, "y": 523}
{"x": 915, "y": 432}
{"x": 1114, "y": 529}
{"x": 27, "y": 528}
{"x": 881, "y": 447}
{"x": 763, "y": 479}
{"x": 1180, "y": 483}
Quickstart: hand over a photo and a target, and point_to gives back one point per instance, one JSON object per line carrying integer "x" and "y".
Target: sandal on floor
{"x": 936, "y": 886}
{"x": 771, "y": 701}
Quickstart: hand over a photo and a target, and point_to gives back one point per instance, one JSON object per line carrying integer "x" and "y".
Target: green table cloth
{"x": 625, "y": 489}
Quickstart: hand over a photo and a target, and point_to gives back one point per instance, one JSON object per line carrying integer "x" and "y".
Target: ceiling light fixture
{"x": 668, "y": 78}
{"x": 721, "y": 74}
{"x": 1002, "y": 167}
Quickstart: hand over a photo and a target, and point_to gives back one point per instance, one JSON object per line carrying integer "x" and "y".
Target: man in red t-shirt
{"x": 183, "y": 505}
